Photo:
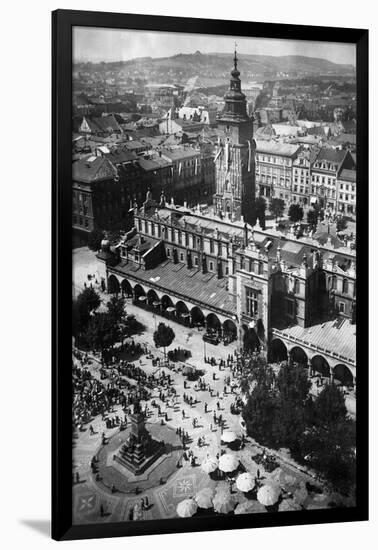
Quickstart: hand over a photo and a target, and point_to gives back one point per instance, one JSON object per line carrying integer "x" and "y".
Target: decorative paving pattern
{"x": 183, "y": 488}
{"x": 86, "y": 504}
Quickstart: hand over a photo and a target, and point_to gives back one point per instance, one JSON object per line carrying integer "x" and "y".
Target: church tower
{"x": 235, "y": 155}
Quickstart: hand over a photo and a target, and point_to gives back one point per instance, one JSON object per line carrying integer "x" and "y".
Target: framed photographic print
{"x": 210, "y": 269}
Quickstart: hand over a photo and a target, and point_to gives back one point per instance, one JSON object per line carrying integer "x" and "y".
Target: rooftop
{"x": 194, "y": 285}
{"x": 348, "y": 175}
{"x": 336, "y": 338}
{"x": 91, "y": 169}
{"x": 274, "y": 148}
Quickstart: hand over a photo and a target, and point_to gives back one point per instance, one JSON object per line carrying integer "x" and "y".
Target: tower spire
{"x": 235, "y": 58}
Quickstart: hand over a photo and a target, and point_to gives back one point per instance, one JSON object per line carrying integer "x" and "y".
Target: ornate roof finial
{"x": 235, "y": 58}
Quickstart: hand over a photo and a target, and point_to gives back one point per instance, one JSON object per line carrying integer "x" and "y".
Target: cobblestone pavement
{"x": 89, "y": 496}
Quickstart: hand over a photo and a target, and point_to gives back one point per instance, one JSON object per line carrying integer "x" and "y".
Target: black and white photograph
{"x": 214, "y": 275}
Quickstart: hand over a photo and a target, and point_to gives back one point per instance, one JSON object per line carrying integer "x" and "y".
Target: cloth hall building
{"x": 292, "y": 298}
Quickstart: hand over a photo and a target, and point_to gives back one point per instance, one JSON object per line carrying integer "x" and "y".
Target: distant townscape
{"x": 214, "y": 285}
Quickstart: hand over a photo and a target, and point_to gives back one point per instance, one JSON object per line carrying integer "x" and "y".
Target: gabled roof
{"x": 331, "y": 155}
{"x": 92, "y": 169}
{"x": 348, "y": 175}
{"x": 120, "y": 156}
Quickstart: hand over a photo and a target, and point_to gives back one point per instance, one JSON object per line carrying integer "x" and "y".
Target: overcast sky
{"x": 95, "y": 44}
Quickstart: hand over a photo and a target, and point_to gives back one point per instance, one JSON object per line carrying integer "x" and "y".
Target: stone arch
{"x": 278, "y": 350}
{"x": 113, "y": 285}
{"x": 213, "y": 322}
{"x": 320, "y": 365}
{"x": 230, "y": 330}
{"x": 152, "y": 297}
{"x": 139, "y": 293}
{"x": 197, "y": 316}
{"x": 166, "y": 301}
{"x": 251, "y": 341}
{"x": 343, "y": 374}
{"x": 126, "y": 288}
{"x": 298, "y": 355}
{"x": 181, "y": 307}
{"x": 182, "y": 312}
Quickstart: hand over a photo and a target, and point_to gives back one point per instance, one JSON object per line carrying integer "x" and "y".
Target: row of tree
{"x": 100, "y": 330}
{"x": 280, "y": 412}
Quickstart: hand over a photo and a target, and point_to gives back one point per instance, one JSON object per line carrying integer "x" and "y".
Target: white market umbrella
{"x": 249, "y": 507}
{"x": 245, "y": 482}
{"x": 228, "y": 463}
{"x": 268, "y": 494}
{"x": 204, "y": 498}
{"x": 210, "y": 464}
{"x": 228, "y": 436}
{"x": 224, "y": 502}
{"x": 187, "y": 508}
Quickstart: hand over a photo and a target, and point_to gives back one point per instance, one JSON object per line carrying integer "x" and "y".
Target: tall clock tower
{"x": 235, "y": 154}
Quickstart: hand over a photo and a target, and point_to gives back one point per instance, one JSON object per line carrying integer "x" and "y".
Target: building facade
{"x": 274, "y": 169}
{"x": 291, "y": 298}
{"x": 325, "y": 171}
{"x": 234, "y": 154}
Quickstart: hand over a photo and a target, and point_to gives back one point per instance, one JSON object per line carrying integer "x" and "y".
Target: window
{"x": 345, "y": 286}
{"x": 261, "y": 268}
{"x": 211, "y": 266}
{"x": 181, "y": 257}
{"x": 251, "y": 302}
{"x": 342, "y": 307}
{"x": 296, "y": 287}
{"x": 211, "y": 246}
{"x": 196, "y": 261}
{"x": 168, "y": 252}
{"x": 290, "y": 307}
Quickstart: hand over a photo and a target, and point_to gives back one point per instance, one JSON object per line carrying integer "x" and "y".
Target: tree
{"x": 293, "y": 388}
{"x": 341, "y": 223}
{"x": 163, "y": 336}
{"x": 83, "y": 307}
{"x": 295, "y": 213}
{"x": 100, "y": 334}
{"x": 312, "y": 218}
{"x": 117, "y": 315}
{"x": 329, "y": 407}
{"x": 94, "y": 239}
{"x": 277, "y": 207}
{"x": 331, "y": 450}
{"x": 259, "y": 412}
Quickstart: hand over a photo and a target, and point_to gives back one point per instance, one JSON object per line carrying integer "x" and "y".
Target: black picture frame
{"x": 62, "y": 23}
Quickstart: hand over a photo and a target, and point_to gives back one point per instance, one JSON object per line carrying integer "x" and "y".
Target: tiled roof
{"x": 348, "y": 175}
{"x": 91, "y": 169}
{"x": 191, "y": 284}
{"x": 335, "y": 338}
{"x": 331, "y": 155}
{"x": 180, "y": 153}
{"x": 274, "y": 148}
{"x": 121, "y": 156}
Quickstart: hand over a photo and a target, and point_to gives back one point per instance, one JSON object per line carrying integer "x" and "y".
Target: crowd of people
{"x": 99, "y": 388}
